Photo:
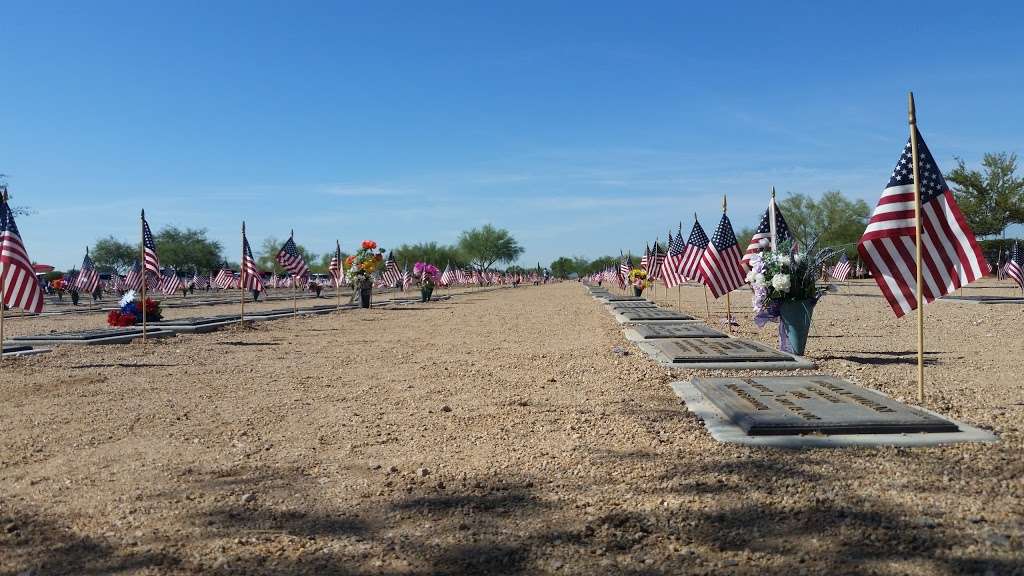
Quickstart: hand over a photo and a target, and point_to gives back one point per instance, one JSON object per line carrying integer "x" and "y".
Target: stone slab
{"x": 787, "y": 405}
{"x": 630, "y": 304}
{"x": 983, "y": 299}
{"x": 92, "y": 337}
{"x": 720, "y": 353}
{"x": 723, "y": 430}
{"x": 649, "y": 315}
{"x": 622, "y": 298}
{"x": 17, "y": 350}
{"x": 682, "y": 329}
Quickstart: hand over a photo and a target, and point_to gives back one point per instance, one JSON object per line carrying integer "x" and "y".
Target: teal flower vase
{"x": 796, "y": 314}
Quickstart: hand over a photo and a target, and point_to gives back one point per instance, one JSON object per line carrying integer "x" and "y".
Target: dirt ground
{"x": 496, "y": 433}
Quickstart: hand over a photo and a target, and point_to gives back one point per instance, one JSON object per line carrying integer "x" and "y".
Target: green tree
{"x": 482, "y": 247}
{"x": 832, "y": 221}
{"x": 562, "y": 267}
{"x": 601, "y": 263}
{"x": 266, "y": 260}
{"x": 321, "y": 266}
{"x": 430, "y": 252}
{"x": 112, "y": 255}
{"x": 187, "y": 249}
{"x": 991, "y": 200}
{"x": 743, "y": 237}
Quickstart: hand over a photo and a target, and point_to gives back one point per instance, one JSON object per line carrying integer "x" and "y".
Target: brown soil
{"x": 495, "y": 433}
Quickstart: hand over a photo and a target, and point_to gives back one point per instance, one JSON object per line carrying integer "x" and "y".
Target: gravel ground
{"x": 494, "y": 433}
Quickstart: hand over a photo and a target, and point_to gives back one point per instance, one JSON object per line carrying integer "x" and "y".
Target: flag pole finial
{"x": 911, "y": 109}
{"x": 725, "y": 203}
{"x": 773, "y": 193}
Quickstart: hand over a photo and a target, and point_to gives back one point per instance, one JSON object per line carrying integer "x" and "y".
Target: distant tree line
{"x": 188, "y": 250}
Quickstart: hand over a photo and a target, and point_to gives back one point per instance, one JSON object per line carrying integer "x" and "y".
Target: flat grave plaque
{"x": 640, "y": 314}
{"x": 633, "y": 304}
{"x": 985, "y": 299}
{"x": 704, "y": 350}
{"x": 790, "y": 405}
{"x": 197, "y": 321}
{"x": 10, "y": 348}
{"x": 85, "y": 335}
{"x": 624, "y": 298}
{"x": 676, "y": 330}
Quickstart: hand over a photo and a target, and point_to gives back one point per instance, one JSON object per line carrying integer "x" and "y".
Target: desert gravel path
{"x": 493, "y": 434}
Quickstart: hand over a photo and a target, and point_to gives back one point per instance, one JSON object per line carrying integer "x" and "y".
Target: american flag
{"x": 763, "y": 232}
{"x": 657, "y": 261}
{"x": 336, "y": 266}
{"x": 460, "y": 275}
{"x": 645, "y": 261}
{"x": 721, "y": 264}
{"x": 407, "y": 277}
{"x": 695, "y": 245}
{"x": 1014, "y": 267}
{"x": 200, "y": 282}
{"x": 225, "y": 278}
{"x": 133, "y": 280}
{"x": 391, "y": 276}
{"x": 170, "y": 283}
{"x": 88, "y": 278}
{"x": 671, "y": 272}
{"x": 625, "y": 267}
{"x": 151, "y": 263}
{"x": 841, "y": 271}
{"x": 951, "y": 255}
{"x": 249, "y": 278}
{"x": 21, "y": 287}
{"x": 291, "y": 260}
{"x": 447, "y": 277}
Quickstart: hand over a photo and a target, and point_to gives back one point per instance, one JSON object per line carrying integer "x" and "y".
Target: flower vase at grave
{"x": 364, "y": 297}
{"x": 637, "y": 291}
{"x": 425, "y": 293}
{"x": 796, "y": 315}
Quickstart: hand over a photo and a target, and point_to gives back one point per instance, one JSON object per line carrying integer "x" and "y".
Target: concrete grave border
{"x": 723, "y": 430}
{"x": 119, "y": 339}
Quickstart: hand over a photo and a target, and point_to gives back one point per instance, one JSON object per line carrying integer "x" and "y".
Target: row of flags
{"x": 951, "y": 256}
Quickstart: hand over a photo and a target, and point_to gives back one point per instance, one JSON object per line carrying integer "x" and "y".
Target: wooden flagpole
{"x": 3, "y": 302}
{"x": 707, "y": 305}
{"x": 241, "y": 279}
{"x": 145, "y": 278}
{"x": 295, "y": 305}
{"x": 341, "y": 271}
{"x": 728, "y": 302}
{"x": 912, "y": 117}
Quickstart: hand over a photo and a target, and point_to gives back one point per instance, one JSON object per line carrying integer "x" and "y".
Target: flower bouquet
{"x": 428, "y": 276}
{"x": 638, "y": 280}
{"x": 360, "y": 268}
{"x": 129, "y": 312}
{"x": 786, "y": 290}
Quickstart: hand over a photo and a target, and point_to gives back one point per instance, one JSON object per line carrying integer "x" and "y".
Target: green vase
{"x": 796, "y": 315}
{"x": 637, "y": 291}
{"x": 425, "y": 293}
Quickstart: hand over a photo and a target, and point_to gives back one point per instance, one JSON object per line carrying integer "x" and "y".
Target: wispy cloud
{"x": 367, "y": 190}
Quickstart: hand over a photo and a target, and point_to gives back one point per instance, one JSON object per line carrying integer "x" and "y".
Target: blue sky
{"x": 583, "y": 127}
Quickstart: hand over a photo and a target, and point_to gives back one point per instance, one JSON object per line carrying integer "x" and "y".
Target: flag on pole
{"x": 625, "y": 266}
{"x": 133, "y": 279}
{"x": 291, "y": 260}
{"x": 407, "y": 277}
{"x": 20, "y": 285}
{"x": 170, "y": 283}
{"x": 225, "y": 278}
{"x": 657, "y": 261}
{"x": 249, "y": 278}
{"x": 841, "y": 271}
{"x": 151, "y": 262}
{"x": 335, "y": 267}
{"x": 1014, "y": 267}
{"x": 695, "y": 245}
{"x": 392, "y": 276}
{"x": 88, "y": 278}
{"x": 951, "y": 256}
{"x": 447, "y": 277}
{"x": 721, "y": 265}
{"x": 763, "y": 234}
{"x": 672, "y": 270}
{"x": 645, "y": 262}
{"x": 200, "y": 282}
